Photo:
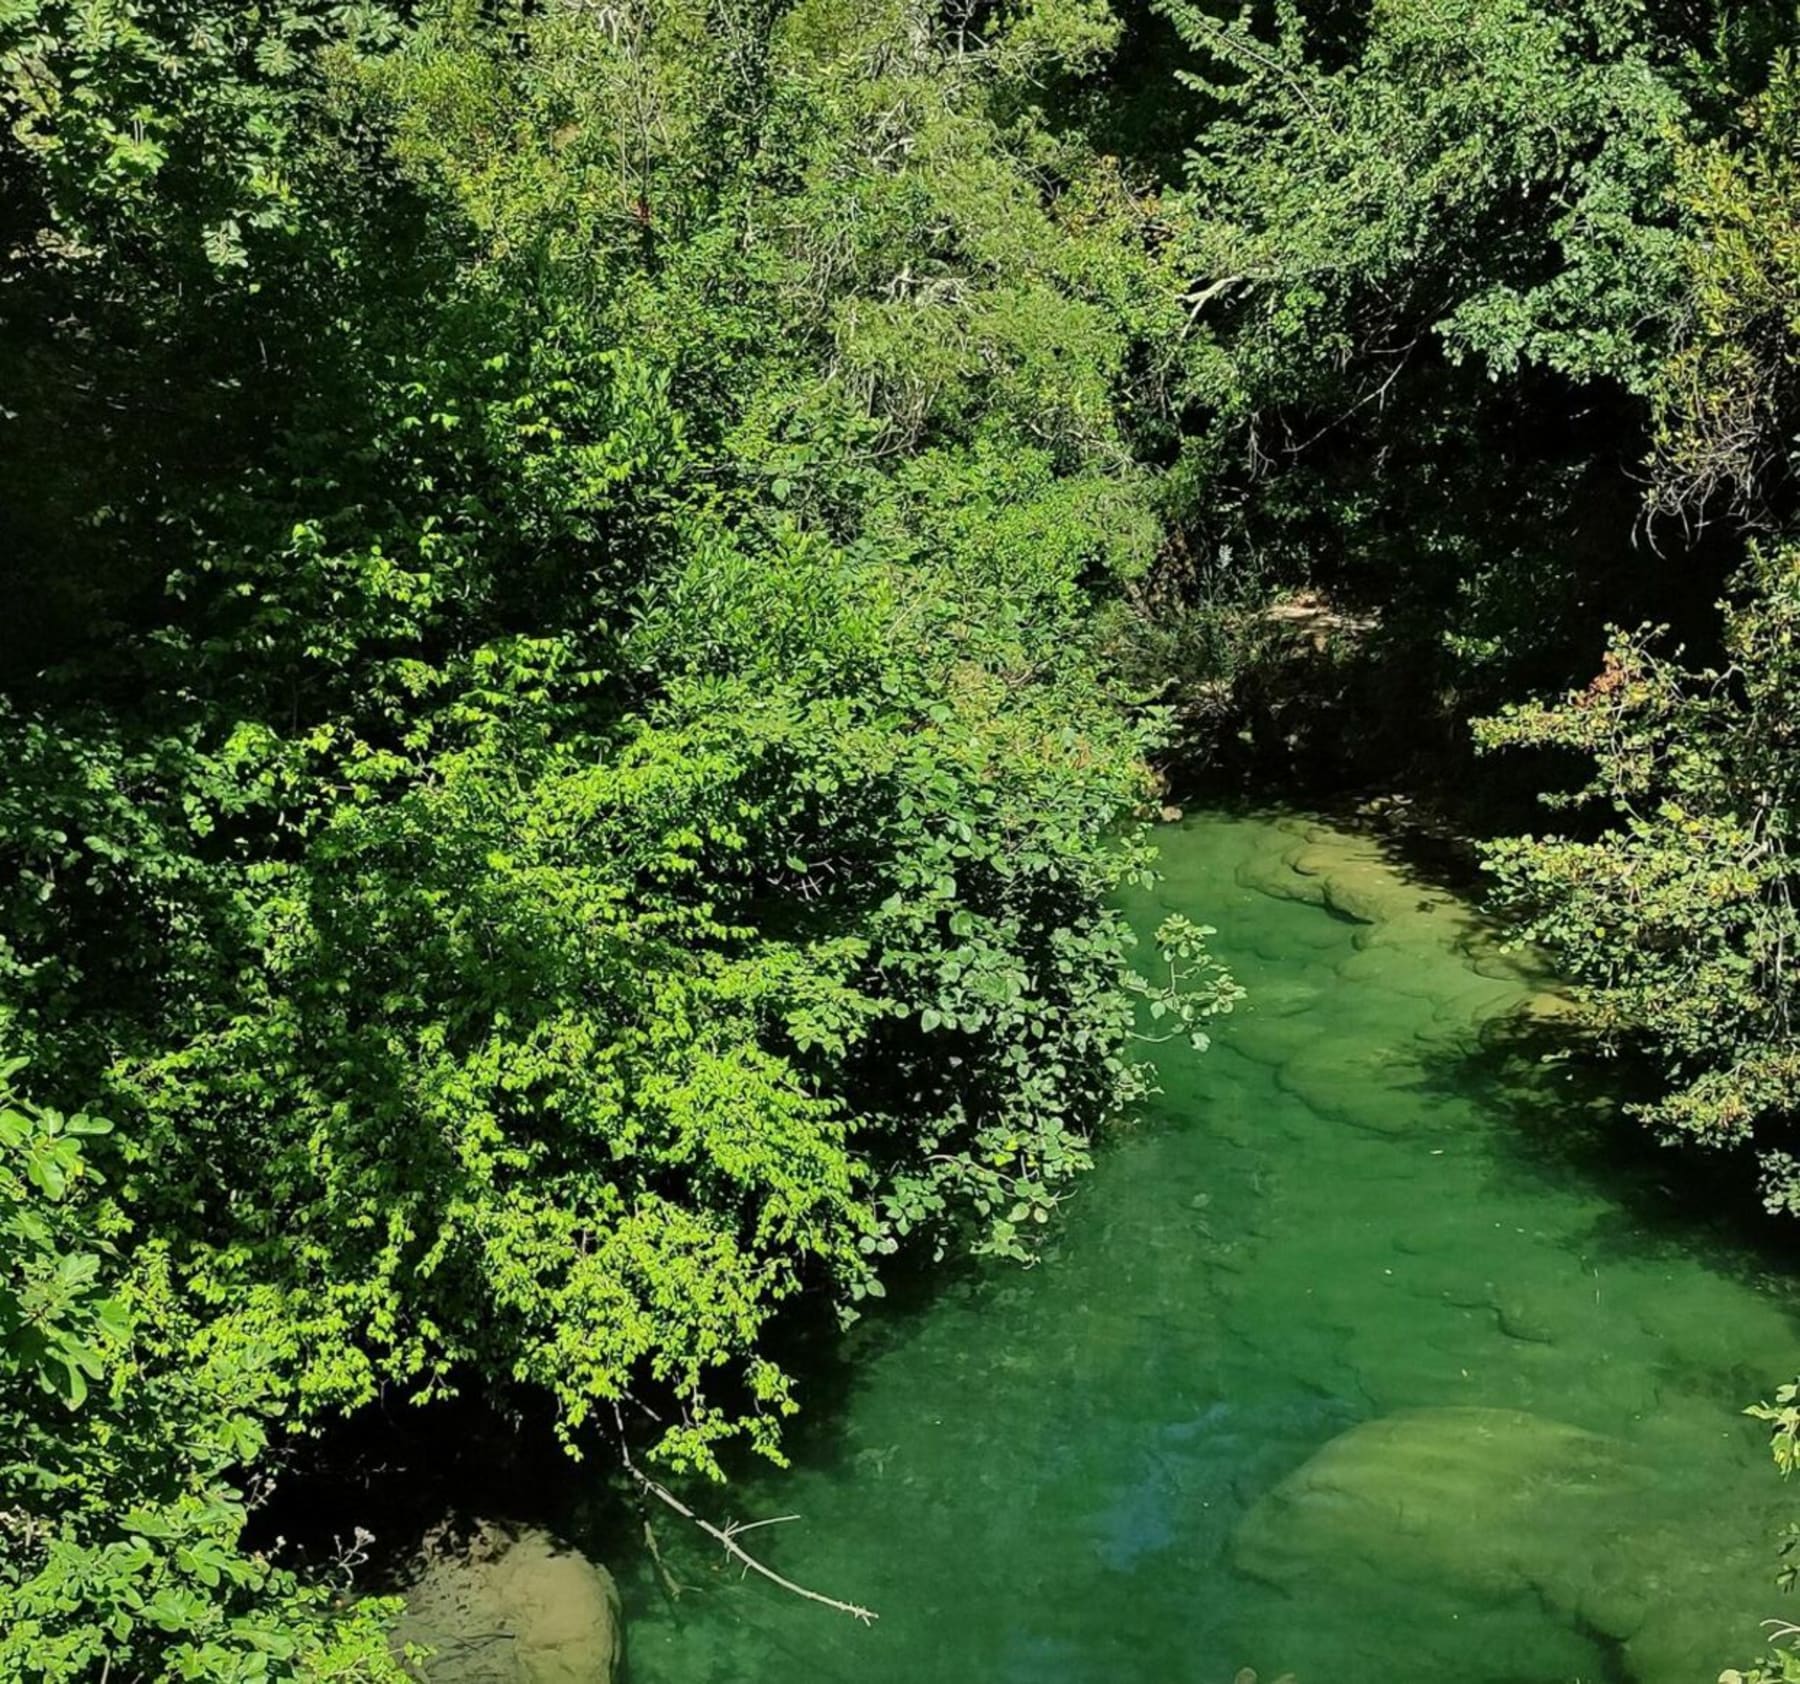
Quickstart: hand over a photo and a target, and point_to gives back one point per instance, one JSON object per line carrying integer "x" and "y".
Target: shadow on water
{"x": 374, "y": 1488}
{"x": 1560, "y": 1107}
{"x": 1561, "y": 1102}
{"x": 376, "y": 1496}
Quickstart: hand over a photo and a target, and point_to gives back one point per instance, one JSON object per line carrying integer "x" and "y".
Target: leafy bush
{"x": 572, "y": 798}
{"x": 120, "y": 1521}
{"x": 1678, "y": 918}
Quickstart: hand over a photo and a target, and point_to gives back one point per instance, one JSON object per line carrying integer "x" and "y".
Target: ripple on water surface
{"x": 1343, "y": 1365}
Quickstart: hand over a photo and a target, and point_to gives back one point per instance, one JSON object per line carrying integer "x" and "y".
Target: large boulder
{"x": 1466, "y": 1507}
{"x": 509, "y": 1605}
{"x": 1495, "y": 1499}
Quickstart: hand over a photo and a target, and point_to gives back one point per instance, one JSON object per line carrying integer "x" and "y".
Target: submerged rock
{"x": 509, "y": 1605}
{"x": 1508, "y": 1506}
{"x": 1489, "y": 1496}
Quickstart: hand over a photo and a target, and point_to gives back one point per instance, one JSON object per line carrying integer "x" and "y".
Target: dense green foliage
{"x": 559, "y": 783}
{"x": 591, "y": 592}
{"x": 122, "y": 1524}
{"x": 1678, "y": 917}
{"x": 1436, "y": 263}
{"x": 1676, "y": 912}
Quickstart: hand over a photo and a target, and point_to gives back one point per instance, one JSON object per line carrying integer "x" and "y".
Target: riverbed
{"x": 1352, "y": 1360}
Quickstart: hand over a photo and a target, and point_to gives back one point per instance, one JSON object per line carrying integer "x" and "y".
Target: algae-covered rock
{"x": 1510, "y": 1506}
{"x": 1493, "y": 1498}
{"x": 502, "y": 1605}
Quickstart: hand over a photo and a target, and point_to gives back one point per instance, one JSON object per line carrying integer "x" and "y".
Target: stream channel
{"x": 1369, "y": 1354}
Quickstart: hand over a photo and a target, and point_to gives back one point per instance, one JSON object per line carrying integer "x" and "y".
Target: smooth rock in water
{"x": 1494, "y": 1498}
{"x": 509, "y": 1605}
{"x": 1511, "y": 1505}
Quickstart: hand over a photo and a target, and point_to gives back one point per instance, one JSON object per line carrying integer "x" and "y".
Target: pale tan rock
{"x": 505, "y": 1605}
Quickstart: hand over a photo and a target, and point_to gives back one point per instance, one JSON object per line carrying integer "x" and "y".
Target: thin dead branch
{"x": 726, "y": 1536}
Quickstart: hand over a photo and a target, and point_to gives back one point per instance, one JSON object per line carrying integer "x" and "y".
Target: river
{"x": 1347, "y": 1362}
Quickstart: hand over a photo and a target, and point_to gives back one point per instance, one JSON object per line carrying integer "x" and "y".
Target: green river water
{"x": 1347, "y": 1362}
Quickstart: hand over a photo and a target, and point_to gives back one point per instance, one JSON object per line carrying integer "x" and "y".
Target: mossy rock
{"x": 1511, "y": 1506}
{"x": 1494, "y": 1499}
{"x": 509, "y": 1605}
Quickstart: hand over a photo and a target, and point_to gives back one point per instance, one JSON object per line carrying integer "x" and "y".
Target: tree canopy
{"x": 561, "y": 792}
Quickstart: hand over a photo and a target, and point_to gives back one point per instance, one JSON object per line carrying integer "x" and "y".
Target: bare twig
{"x": 751, "y": 1525}
{"x": 672, "y": 1587}
{"x": 726, "y": 1537}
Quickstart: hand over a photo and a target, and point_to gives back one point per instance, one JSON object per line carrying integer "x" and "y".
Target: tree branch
{"x": 726, "y": 1536}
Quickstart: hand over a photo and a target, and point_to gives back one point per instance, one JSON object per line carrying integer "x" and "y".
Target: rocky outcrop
{"x": 1509, "y": 1505}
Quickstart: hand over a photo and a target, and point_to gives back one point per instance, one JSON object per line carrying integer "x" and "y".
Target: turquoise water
{"x": 1345, "y": 1363}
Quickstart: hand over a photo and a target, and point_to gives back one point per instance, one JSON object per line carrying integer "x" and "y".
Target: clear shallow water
{"x": 1345, "y": 1362}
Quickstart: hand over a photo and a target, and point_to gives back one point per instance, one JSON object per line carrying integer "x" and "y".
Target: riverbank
{"x": 1361, "y": 1355}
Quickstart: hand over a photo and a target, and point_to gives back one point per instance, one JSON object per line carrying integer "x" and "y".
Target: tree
{"x": 1433, "y": 265}
{"x": 589, "y": 807}
{"x": 1728, "y": 398}
{"x": 1678, "y": 918}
